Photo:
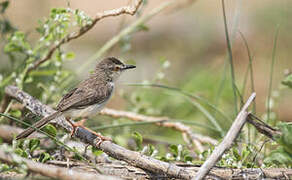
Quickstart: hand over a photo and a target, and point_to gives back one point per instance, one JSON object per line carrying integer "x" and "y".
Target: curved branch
{"x": 131, "y": 10}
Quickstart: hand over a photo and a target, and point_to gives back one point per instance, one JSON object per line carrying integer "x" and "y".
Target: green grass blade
{"x": 272, "y": 73}
{"x": 250, "y": 69}
{"x": 230, "y": 57}
{"x": 207, "y": 114}
{"x": 194, "y": 97}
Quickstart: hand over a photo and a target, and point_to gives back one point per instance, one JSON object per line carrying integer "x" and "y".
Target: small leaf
{"x": 34, "y": 144}
{"x": 188, "y": 158}
{"x": 50, "y": 129}
{"x": 15, "y": 113}
{"x": 288, "y": 81}
{"x": 21, "y": 152}
{"x": 70, "y": 55}
{"x": 138, "y": 139}
{"x": 174, "y": 149}
{"x": 236, "y": 154}
{"x": 96, "y": 151}
{"x": 4, "y": 167}
{"x": 142, "y": 27}
{"x": 151, "y": 149}
{"x": 44, "y": 157}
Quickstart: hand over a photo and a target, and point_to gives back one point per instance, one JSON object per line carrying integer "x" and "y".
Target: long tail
{"x": 38, "y": 125}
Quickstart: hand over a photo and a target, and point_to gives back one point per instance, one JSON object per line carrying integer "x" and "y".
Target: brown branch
{"x": 227, "y": 141}
{"x": 263, "y": 128}
{"x": 185, "y": 130}
{"x": 123, "y": 170}
{"x": 50, "y": 170}
{"x": 131, "y": 10}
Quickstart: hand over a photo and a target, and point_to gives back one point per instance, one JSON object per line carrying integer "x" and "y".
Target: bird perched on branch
{"x": 88, "y": 98}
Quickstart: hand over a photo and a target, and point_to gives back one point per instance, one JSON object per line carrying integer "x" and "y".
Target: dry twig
{"x": 131, "y": 10}
{"x": 185, "y": 130}
{"x": 227, "y": 141}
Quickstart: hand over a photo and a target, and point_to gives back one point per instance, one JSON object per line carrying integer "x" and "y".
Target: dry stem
{"x": 227, "y": 141}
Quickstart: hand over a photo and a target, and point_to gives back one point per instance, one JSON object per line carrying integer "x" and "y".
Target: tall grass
{"x": 249, "y": 70}
{"x": 272, "y": 73}
{"x": 230, "y": 57}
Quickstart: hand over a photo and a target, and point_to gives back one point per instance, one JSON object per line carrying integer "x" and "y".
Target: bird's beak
{"x": 128, "y": 67}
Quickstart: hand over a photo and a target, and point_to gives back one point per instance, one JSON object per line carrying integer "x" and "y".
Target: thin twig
{"x": 131, "y": 10}
{"x": 227, "y": 141}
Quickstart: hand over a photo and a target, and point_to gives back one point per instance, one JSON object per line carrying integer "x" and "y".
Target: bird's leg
{"x": 81, "y": 124}
{"x": 73, "y": 127}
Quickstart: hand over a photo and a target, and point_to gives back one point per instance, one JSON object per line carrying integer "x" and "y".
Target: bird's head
{"x": 112, "y": 67}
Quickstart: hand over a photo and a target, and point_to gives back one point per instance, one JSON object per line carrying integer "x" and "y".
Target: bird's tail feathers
{"x": 38, "y": 125}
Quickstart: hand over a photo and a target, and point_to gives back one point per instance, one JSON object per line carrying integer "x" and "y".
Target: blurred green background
{"x": 184, "y": 47}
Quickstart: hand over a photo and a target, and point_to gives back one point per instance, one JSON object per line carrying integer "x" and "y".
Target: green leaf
{"x": 138, "y": 139}
{"x": 45, "y": 157}
{"x": 3, "y": 6}
{"x": 286, "y": 138}
{"x": 4, "y": 167}
{"x": 236, "y": 154}
{"x": 151, "y": 149}
{"x": 142, "y": 27}
{"x": 174, "y": 149}
{"x": 188, "y": 158}
{"x": 15, "y": 113}
{"x": 70, "y": 55}
{"x": 21, "y": 152}
{"x": 279, "y": 157}
{"x": 34, "y": 144}
{"x": 50, "y": 129}
{"x": 288, "y": 81}
{"x": 96, "y": 151}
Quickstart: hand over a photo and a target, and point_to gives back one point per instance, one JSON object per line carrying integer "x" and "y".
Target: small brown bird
{"x": 89, "y": 97}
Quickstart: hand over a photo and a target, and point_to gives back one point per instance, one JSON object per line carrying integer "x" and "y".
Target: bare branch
{"x": 50, "y": 170}
{"x": 227, "y": 141}
{"x": 195, "y": 138}
{"x": 131, "y": 10}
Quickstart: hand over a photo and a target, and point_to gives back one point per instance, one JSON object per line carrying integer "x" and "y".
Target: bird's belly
{"x": 87, "y": 112}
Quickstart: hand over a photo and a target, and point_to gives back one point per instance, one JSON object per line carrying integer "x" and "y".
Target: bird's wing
{"x": 85, "y": 95}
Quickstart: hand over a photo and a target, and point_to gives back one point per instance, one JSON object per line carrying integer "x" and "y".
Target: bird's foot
{"x": 100, "y": 139}
{"x": 75, "y": 125}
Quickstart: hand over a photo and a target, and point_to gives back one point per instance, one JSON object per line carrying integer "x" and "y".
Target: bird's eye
{"x": 117, "y": 68}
